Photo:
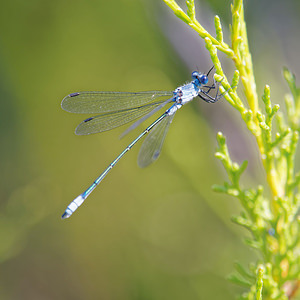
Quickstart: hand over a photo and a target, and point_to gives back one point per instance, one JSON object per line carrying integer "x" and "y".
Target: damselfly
{"x": 117, "y": 108}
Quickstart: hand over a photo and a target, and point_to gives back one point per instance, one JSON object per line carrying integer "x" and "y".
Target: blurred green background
{"x": 155, "y": 233}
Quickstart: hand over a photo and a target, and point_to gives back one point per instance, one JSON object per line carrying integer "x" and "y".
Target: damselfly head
{"x": 202, "y": 78}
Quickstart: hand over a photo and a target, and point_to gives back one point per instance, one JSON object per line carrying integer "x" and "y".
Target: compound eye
{"x": 195, "y": 75}
{"x": 203, "y": 79}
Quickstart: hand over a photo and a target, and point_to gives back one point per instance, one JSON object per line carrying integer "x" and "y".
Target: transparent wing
{"x": 151, "y": 147}
{"x": 141, "y": 120}
{"x": 115, "y": 119}
{"x": 103, "y": 102}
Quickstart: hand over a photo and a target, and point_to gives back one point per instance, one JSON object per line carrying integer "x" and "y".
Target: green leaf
{"x": 191, "y": 9}
{"x": 259, "y": 282}
{"x": 239, "y": 280}
{"x": 219, "y": 188}
{"x": 266, "y": 99}
{"x": 291, "y": 80}
{"x": 242, "y": 221}
{"x": 252, "y": 243}
{"x": 178, "y": 11}
{"x": 219, "y": 32}
{"x": 242, "y": 271}
{"x": 235, "y": 79}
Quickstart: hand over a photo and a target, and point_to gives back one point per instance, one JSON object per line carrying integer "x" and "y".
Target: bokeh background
{"x": 155, "y": 233}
